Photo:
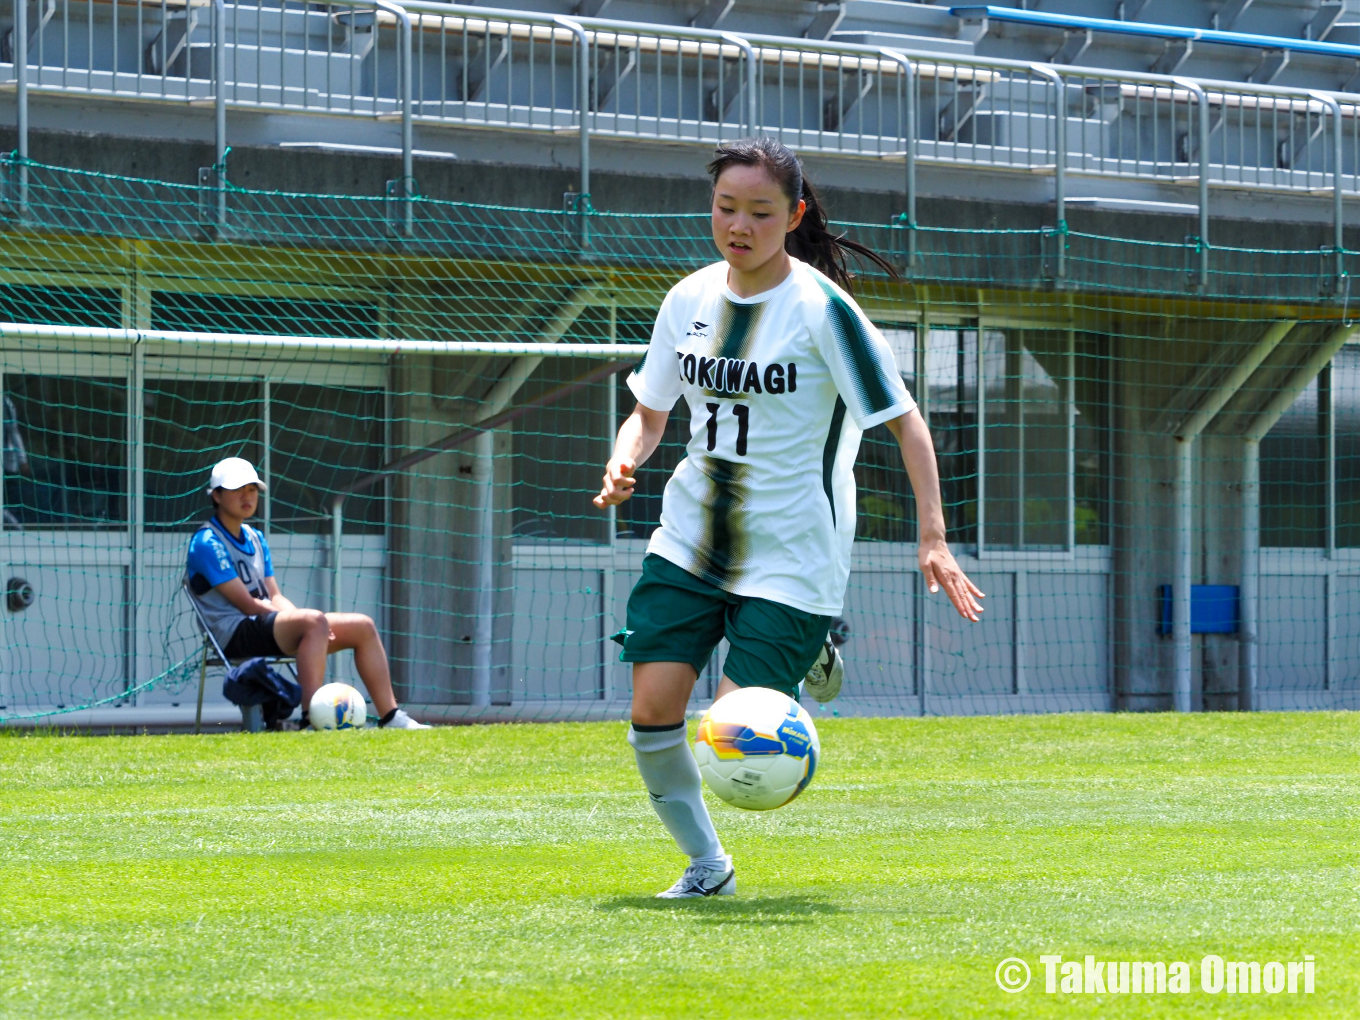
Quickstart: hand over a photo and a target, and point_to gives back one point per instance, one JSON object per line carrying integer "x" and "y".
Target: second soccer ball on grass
{"x": 757, "y": 748}
{"x": 337, "y": 707}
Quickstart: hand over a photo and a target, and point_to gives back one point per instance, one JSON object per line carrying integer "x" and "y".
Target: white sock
{"x": 676, "y": 792}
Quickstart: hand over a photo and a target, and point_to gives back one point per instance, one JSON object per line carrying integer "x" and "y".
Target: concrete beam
{"x": 1303, "y": 375}
{"x": 1198, "y": 420}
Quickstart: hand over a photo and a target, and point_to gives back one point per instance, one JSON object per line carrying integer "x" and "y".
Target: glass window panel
{"x": 560, "y": 452}
{"x": 62, "y": 306}
{"x": 228, "y": 313}
{"x": 951, "y": 378}
{"x": 1346, "y": 407}
{"x": 1092, "y": 482}
{"x": 1026, "y": 438}
{"x": 325, "y": 438}
{"x": 1293, "y": 479}
{"x": 191, "y": 424}
{"x": 886, "y": 510}
{"x": 641, "y": 514}
{"x": 65, "y": 452}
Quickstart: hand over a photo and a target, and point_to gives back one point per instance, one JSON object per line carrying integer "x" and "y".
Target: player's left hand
{"x": 942, "y": 571}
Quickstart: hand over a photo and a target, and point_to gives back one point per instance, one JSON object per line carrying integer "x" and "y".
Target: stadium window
{"x": 886, "y": 511}
{"x": 1294, "y": 476}
{"x": 233, "y": 313}
{"x": 189, "y": 425}
{"x": 951, "y": 394}
{"x": 62, "y": 306}
{"x": 1092, "y": 439}
{"x": 559, "y": 456}
{"x": 65, "y": 452}
{"x": 1346, "y": 414}
{"x": 1035, "y": 379}
{"x": 324, "y": 438}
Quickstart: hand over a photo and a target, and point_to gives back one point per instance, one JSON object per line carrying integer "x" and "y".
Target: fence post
{"x": 1059, "y": 161}
{"x": 220, "y": 106}
{"x": 583, "y": 113}
{"x": 404, "y": 61}
{"x": 908, "y": 146}
{"x": 1250, "y": 571}
{"x": 1202, "y": 127}
{"x": 750, "y": 115}
{"x": 21, "y": 98}
{"x": 1338, "y": 223}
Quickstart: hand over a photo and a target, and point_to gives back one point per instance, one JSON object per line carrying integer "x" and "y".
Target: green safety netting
{"x": 1056, "y": 369}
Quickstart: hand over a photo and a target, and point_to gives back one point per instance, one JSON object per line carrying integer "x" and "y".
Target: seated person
{"x": 231, "y": 577}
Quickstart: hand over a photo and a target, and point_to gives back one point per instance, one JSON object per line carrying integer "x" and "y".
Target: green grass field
{"x": 507, "y": 871}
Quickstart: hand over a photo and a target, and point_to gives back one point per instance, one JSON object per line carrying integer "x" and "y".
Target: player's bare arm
{"x": 276, "y": 597}
{"x": 937, "y": 562}
{"x": 235, "y": 592}
{"x": 639, "y": 436}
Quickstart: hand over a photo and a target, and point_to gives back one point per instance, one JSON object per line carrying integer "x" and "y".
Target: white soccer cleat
{"x": 402, "y": 721}
{"x": 701, "y": 880}
{"x": 823, "y": 680}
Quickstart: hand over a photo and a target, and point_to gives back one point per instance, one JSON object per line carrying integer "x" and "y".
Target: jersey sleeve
{"x": 656, "y": 380}
{"x": 208, "y": 556}
{"x": 861, "y": 362}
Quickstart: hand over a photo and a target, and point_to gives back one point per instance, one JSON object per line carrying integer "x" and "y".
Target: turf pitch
{"x": 507, "y": 871}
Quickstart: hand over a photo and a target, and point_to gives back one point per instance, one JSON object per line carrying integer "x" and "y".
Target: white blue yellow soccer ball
{"x": 337, "y": 707}
{"x": 757, "y": 749}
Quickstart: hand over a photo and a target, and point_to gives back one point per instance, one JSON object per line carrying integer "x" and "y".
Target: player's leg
{"x": 674, "y": 622}
{"x": 356, "y": 631}
{"x": 305, "y": 635}
{"x": 359, "y": 632}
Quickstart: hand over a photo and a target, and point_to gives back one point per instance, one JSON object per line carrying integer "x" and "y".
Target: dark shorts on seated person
{"x": 254, "y": 636}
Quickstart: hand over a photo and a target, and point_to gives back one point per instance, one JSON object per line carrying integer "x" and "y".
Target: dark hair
{"x": 810, "y": 241}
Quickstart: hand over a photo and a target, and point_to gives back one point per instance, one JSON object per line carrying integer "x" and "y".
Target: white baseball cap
{"x": 234, "y": 473}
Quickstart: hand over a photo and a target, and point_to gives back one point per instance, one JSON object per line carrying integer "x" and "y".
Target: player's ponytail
{"x": 812, "y": 241}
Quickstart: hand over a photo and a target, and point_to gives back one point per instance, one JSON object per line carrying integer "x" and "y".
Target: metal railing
{"x": 446, "y": 64}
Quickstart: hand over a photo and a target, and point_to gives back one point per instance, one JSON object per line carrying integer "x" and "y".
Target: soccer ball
{"x": 337, "y": 707}
{"x": 757, "y": 748}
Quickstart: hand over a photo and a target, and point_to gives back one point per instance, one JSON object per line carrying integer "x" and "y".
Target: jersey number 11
{"x": 743, "y": 416}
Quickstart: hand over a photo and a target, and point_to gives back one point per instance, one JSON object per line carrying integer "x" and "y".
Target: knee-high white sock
{"x": 676, "y": 791}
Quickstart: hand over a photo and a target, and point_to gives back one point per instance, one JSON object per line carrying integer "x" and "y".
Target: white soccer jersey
{"x": 763, "y": 505}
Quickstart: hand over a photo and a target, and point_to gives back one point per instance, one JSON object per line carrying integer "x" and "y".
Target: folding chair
{"x": 252, "y": 716}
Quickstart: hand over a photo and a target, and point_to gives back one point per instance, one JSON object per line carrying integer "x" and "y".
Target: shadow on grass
{"x": 732, "y": 909}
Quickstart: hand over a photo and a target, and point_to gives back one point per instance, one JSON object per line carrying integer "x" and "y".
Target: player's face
{"x": 751, "y": 215}
{"x": 240, "y": 503}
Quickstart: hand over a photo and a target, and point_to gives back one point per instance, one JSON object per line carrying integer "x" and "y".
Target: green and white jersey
{"x": 780, "y": 388}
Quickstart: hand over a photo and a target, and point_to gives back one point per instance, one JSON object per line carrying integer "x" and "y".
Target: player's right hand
{"x": 618, "y": 483}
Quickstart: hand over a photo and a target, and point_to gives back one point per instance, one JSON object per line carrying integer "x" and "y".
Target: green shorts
{"x": 674, "y": 616}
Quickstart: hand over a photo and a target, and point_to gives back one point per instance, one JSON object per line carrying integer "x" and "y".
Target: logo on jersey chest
{"x": 697, "y": 329}
{"x": 736, "y": 375}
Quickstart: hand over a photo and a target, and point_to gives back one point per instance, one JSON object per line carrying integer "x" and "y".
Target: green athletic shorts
{"x": 674, "y": 616}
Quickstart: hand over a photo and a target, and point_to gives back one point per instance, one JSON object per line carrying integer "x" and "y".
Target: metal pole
{"x": 337, "y": 547}
{"x": 21, "y": 98}
{"x": 404, "y": 61}
{"x": 749, "y": 113}
{"x": 1202, "y": 101}
{"x": 909, "y": 148}
{"x": 583, "y": 112}
{"x": 1180, "y": 589}
{"x": 1186, "y": 435}
{"x": 1059, "y": 162}
{"x": 1250, "y": 567}
{"x": 483, "y": 628}
{"x": 1338, "y": 222}
{"x": 220, "y": 106}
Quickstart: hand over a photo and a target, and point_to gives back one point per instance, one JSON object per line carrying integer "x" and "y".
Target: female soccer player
{"x": 757, "y": 523}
